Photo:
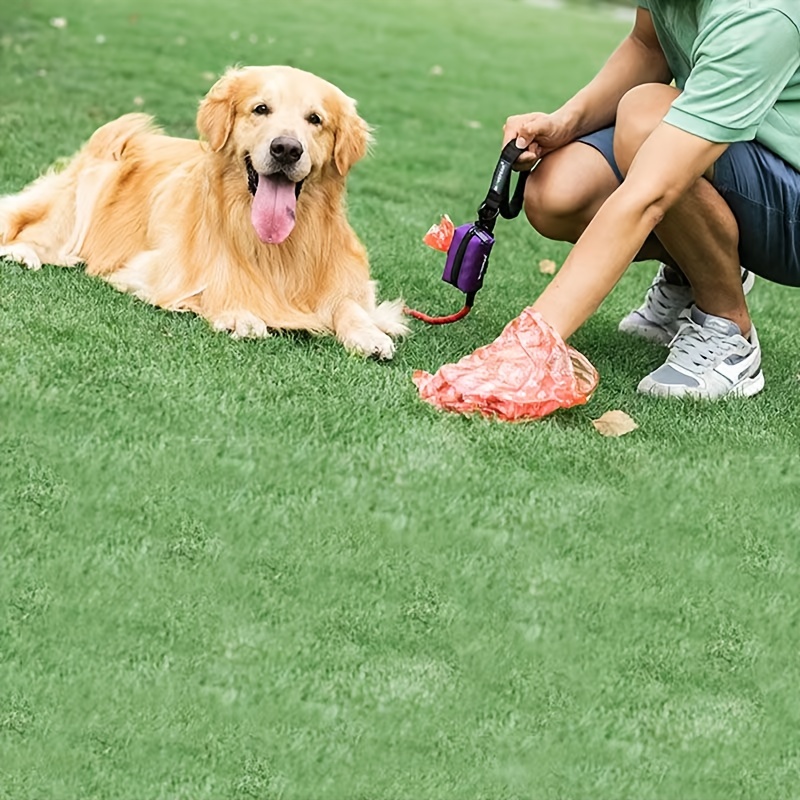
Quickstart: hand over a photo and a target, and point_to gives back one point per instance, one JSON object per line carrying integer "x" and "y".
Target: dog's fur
{"x": 170, "y": 219}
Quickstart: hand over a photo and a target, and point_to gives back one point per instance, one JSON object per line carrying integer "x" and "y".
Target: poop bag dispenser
{"x": 469, "y": 246}
{"x": 468, "y": 258}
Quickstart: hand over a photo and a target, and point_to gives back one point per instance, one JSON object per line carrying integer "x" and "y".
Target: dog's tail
{"x": 110, "y": 141}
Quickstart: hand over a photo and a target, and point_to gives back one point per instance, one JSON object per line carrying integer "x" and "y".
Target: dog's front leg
{"x": 355, "y": 329}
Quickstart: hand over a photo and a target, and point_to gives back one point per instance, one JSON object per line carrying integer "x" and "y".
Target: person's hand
{"x": 539, "y": 133}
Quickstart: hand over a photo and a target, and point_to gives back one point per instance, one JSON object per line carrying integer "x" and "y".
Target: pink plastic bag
{"x": 524, "y": 374}
{"x": 440, "y": 235}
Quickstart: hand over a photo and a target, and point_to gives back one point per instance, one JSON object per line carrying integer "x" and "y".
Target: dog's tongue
{"x": 274, "y": 207}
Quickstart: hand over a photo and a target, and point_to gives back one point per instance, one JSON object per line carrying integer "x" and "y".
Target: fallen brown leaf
{"x": 614, "y": 423}
{"x": 547, "y": 267}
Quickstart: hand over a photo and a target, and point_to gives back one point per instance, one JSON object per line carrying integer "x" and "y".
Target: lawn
{"x": 264, "y": 569}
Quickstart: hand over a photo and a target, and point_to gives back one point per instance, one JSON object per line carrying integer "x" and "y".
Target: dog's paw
{"x": 370, "y": 342}
{"x": 389, "y": 317}
{"x": 21, "y": 253}
{"x": 68, "y": 260}
{"x": 241, "y": 325}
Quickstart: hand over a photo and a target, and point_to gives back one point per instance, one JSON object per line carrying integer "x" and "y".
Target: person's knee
{"x": 639, "y": 113}
{"x": 549, "y": 205}
{"x": 555, "y": 202}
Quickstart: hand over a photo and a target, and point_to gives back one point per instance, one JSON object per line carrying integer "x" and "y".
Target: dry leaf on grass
{"x": 547, "y": 267}
{"x": 614, "y": 423}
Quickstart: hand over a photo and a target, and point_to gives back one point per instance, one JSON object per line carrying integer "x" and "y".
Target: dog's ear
{"x": 217, "y": 111}
{"x": 352, "y": 138}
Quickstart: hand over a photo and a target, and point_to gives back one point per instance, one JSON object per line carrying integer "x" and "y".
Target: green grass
{"x": 236, "y": 569}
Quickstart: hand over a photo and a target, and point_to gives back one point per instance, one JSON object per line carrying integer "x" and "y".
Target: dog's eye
{"x": 261, "y": 109}
{"x": 314, "y": 119}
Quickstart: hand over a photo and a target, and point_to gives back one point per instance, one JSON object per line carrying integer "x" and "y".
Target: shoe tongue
{"x": 712, "y": 323}
{"x": 274, "y": 208}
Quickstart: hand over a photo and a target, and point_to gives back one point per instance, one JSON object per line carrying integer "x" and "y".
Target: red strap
{"x": 439, "y": 320}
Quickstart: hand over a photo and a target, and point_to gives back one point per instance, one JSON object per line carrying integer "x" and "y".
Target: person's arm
{"x": 743, "y": 63}
{"x": 638, "y": 59}
{"x": 625, "y": 220}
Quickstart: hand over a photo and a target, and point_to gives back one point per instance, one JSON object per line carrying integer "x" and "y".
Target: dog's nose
{"x": 286, "y": 150}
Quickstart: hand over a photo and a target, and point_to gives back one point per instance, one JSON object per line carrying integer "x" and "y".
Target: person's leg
{"x": 566, "y": 189}
{"x": 568, "y": 186}
{"x": 715, "y": 352}
{"x": 699, "y": 231}
{"x": 670, "y": 294}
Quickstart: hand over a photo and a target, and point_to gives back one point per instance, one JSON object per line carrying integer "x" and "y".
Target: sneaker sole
{"x": 747, "y": 388}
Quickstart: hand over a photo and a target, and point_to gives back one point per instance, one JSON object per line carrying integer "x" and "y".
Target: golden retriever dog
{"x": 246, "y": 227}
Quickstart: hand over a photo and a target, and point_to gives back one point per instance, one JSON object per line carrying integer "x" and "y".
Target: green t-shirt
{"x": 738, "y": 64}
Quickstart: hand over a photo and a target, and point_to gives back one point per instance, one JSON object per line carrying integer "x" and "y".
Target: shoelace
{"x": 700, "y": 346}
{"x": 663, "y": 297}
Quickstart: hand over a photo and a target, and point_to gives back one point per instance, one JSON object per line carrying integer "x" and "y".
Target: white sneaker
{"x": 708, "y": 359}
{"x": 657, "y": 319}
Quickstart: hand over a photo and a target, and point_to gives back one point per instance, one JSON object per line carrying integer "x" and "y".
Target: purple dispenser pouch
{"x": 468, "y": 258}
{"x": 468, "y": 254}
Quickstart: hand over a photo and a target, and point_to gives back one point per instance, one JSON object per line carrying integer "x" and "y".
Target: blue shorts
{"x": 763, "y": 192}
